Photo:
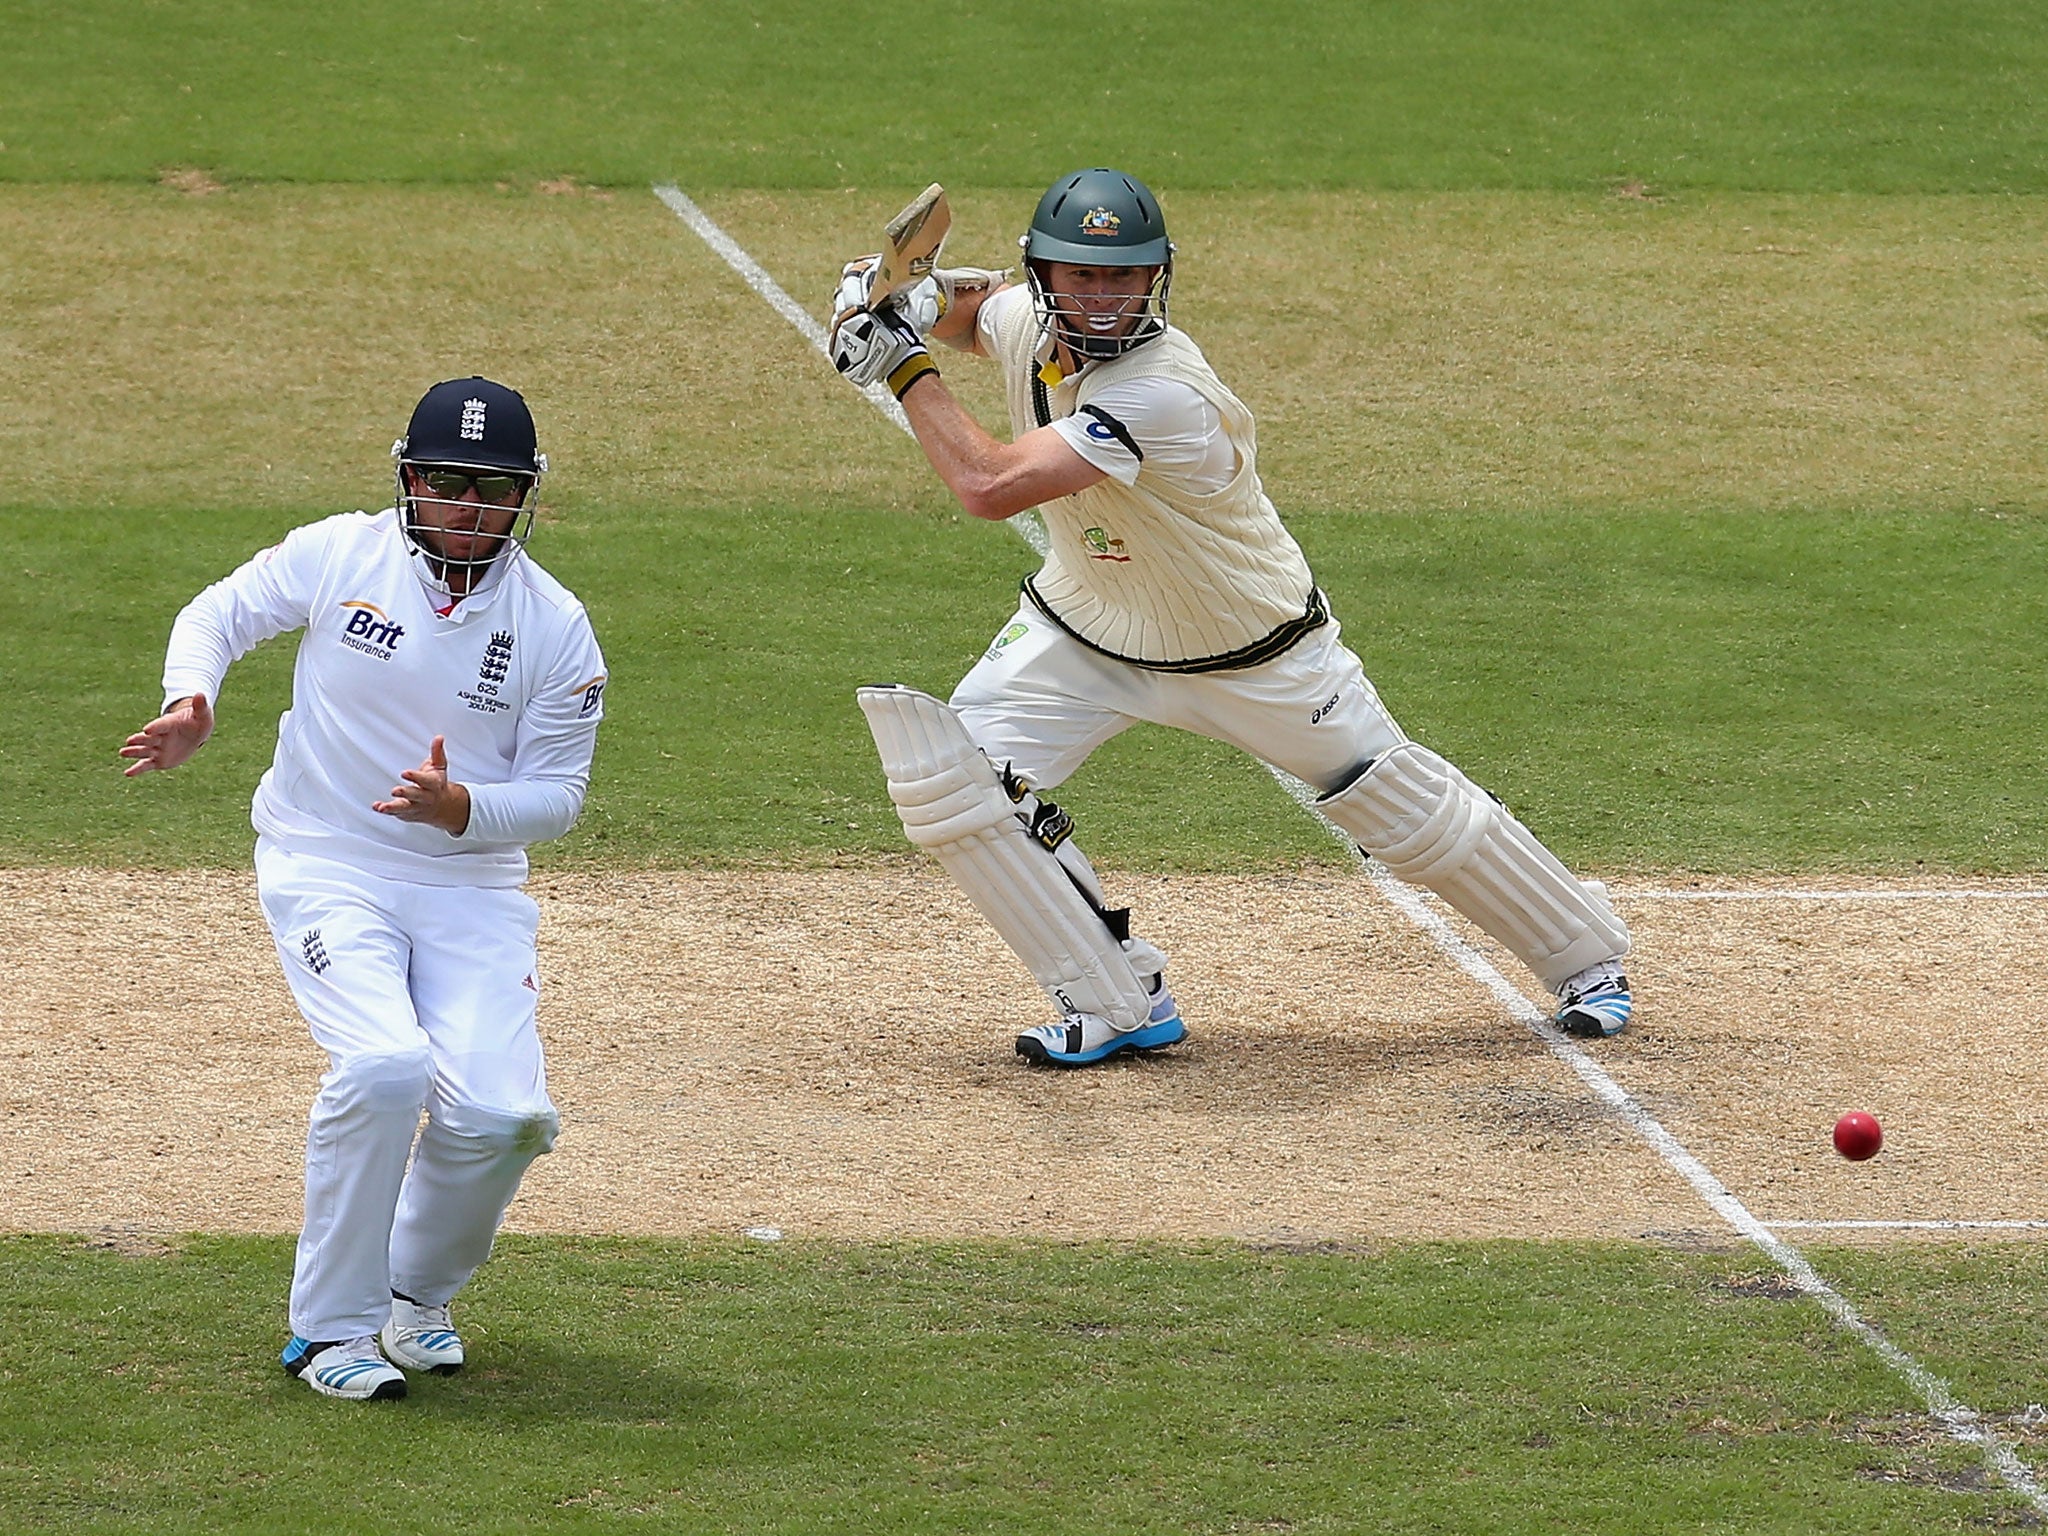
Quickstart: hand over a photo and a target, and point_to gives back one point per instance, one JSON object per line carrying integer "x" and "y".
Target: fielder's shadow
{"x": 527, "y": 1382}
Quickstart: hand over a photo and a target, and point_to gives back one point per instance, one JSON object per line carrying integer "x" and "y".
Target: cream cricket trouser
{"x": 423, "y": 998}
{"x": 1042, "y": 701}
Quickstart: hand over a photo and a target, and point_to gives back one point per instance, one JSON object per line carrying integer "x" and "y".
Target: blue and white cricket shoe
{"x": 422, "y": 1338}
{"x": 352, "y": 1368}
{"x": 1082, "y": 1038}
{"x": 1601, "y": 1010}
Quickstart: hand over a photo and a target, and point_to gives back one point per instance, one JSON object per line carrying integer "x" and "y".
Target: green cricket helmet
{"x": 1099, "y": 218}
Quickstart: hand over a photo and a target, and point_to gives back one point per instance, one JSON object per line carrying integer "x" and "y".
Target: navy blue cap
{"x": 475, "y": 423}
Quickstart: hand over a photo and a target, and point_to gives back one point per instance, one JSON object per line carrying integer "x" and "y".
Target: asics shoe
{"x": 422, "y": 1339}
{"x": 1598, "y": 1010}
{"x": 1082, "y": 1038}
{"x": 350, "y": 1368}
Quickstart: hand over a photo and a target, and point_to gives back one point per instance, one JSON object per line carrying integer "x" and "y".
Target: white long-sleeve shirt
{"x": 511, "y": 676}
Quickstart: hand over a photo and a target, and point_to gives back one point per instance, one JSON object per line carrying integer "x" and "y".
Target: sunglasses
{"x": 498, "y": 490}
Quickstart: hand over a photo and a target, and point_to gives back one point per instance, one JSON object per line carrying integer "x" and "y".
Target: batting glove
{"x": 923, "y": 303}
{"x": 881, "y": 346}
{"x": 856, "y": 280}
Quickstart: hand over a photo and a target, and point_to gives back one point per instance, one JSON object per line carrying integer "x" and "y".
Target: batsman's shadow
{"x": 1242, "y": 1072}
{"x": 534, "y": 1383}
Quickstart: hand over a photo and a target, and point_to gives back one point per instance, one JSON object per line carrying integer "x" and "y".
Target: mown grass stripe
{"x": 1025, "y": 525}
{"x": 756, "y": 277}
{"x": 1881, "y": 95}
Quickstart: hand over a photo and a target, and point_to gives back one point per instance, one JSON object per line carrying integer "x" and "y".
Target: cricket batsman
{"x": 445, "y": 704}
{"x": 1171, "y": 593}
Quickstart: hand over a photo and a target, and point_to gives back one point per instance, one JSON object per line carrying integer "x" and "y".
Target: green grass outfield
{"x": 1865, "y": 95}
{"x": 720, "y": 1386}
{"x": 1706, "y": 533}
{"x": 1702, "y": 691}
{"x": 1658, "y": 389}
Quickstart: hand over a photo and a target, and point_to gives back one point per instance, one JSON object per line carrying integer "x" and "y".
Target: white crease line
{"x": 1962, "y": 1422}
{"x": 1624, "y": 894}
{"x": 756, "y": 277}
{"x": 1909, "y": 1226}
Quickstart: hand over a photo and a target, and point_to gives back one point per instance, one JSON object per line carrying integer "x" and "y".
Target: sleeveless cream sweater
{"x": 1151, "y": 573}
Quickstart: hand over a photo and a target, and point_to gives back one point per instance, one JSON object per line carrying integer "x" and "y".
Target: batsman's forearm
{"x": 958, "y": 328}
{"x": 966, "y": 457}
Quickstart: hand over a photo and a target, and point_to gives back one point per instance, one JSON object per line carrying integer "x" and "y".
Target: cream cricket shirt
{"x": 1177, "y": 561}
{"x": 512, "y": 677}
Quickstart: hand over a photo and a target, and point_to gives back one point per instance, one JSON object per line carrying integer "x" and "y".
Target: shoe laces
{"x": 364, "y": 1348}
{"x": 1606, "y": 976}
{"x": 431, "y": 1317}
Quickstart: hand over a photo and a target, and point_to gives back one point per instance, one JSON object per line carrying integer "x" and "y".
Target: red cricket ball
{"x": 1858, "y": 1136}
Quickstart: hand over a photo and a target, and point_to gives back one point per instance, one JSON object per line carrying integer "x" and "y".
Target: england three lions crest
{"x": 490, "y": 676}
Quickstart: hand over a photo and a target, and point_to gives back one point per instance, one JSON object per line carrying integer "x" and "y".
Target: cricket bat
{"x": 910, "y": 244}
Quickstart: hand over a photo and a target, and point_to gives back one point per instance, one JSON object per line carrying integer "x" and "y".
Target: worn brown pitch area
{"x": 828, "y": 1052}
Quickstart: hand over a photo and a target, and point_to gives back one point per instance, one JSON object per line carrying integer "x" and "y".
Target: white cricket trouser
{"x": 1042, "y": 701}
{"x": 423, "y": 998}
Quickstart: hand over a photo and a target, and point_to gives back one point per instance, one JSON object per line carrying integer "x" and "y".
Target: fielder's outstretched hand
{"x": 429, "y": 795}
{"x": 170, "y": 738}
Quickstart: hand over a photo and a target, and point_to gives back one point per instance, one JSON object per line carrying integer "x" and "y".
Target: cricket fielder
{"x": 1172, "y": 593}
{"x": 431, "y": 637}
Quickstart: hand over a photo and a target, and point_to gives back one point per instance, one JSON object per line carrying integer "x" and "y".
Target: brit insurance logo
{"x": 593, "y": 696}
{"x": 490, "y": 675}
{"x": 370, "y": 630}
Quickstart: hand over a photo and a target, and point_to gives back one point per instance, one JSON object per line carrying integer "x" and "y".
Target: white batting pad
{"x": 1432, "y": 826}
{"x": 953, "y": 804}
